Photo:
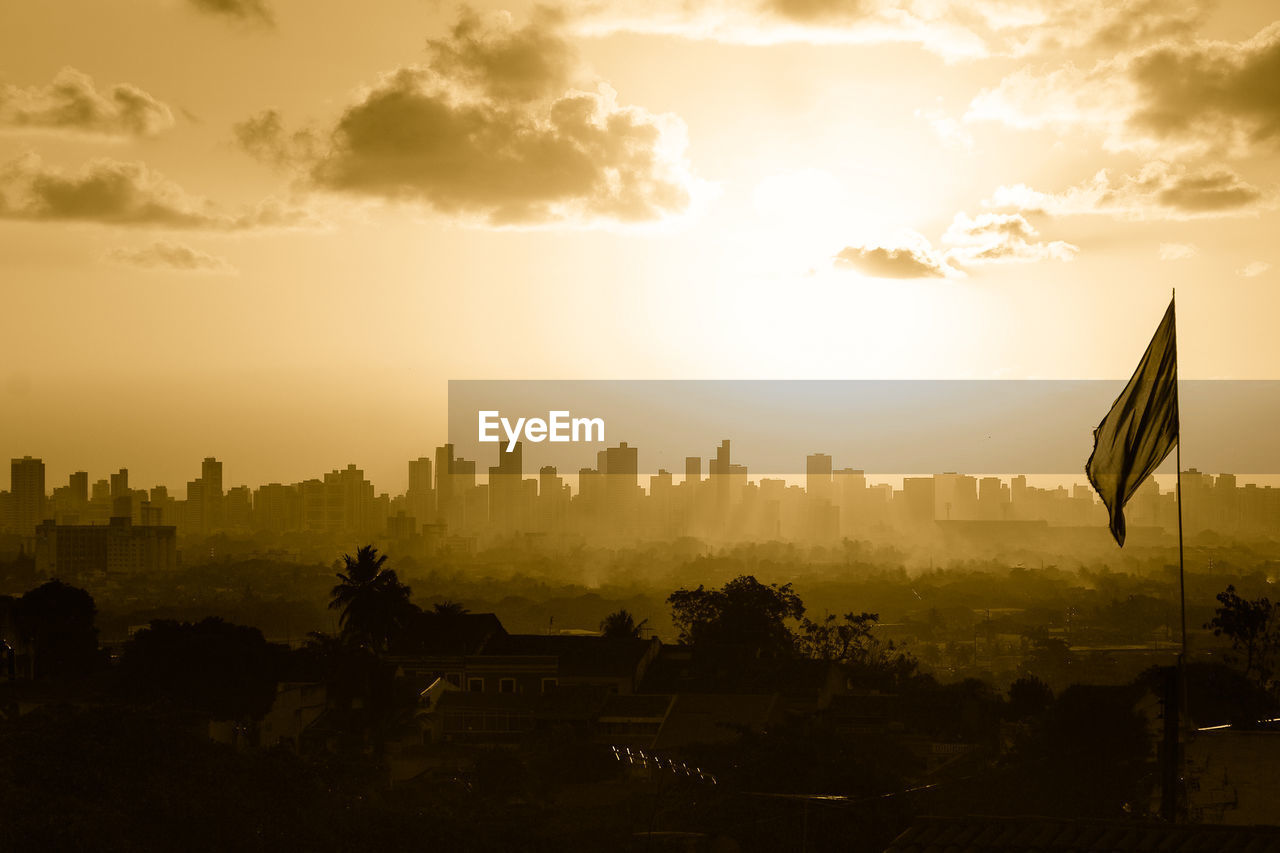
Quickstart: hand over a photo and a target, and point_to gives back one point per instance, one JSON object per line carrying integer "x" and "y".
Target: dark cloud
{"x": 503, "y": 62}
{"x": 164, "y": 255}
{"x": 1159, "y": 190}
{"x": 1211, "y": 90}
{"x": 895, "y": 262}
{"x": 1177, "y": 98}
{"x": 112, "y": 192}
{"x": 249, "y": 11}
{"x": 1214, "y": 190}
{"x": 72, "y": 103}
{"x": 820, "y": 11}
{"x": 493, "y": 129}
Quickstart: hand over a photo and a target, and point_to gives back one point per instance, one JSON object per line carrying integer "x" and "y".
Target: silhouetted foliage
{"x": 58, "y": 621}
{"x": 365, "y": 700}
{"x": 226, "y": 671}
{"x": 125, "y": 781}
{"x": 621, "y": 625}
{"x": 851, "y": 640}
{"x": 1029, "y": 697}
{"x": 743, "y": 613}
{"x": 374, "y": 604}
{"x": 1088, "y": 755}
{"x": 449, "y": 609}
{"x": 1251, "y": 627}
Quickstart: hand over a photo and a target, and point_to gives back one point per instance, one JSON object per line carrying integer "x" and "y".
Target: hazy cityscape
{"x": 749, "y": 426}
{"x": 651, "y": 660}
{"x": 449, "y": 507}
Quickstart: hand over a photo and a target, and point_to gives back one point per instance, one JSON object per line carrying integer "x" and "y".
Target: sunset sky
{"x": 272, "y": 230}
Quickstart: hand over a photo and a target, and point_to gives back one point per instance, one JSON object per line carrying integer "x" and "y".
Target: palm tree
{"x": 621, "y": 625}
{"x": 373, "y": 602}
{"x": 450, "y": 609}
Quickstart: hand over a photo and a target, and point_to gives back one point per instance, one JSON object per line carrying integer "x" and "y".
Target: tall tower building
{"x": 444, "y": 482}
{"x": 817, "y": 476}
{"x": 120, "y": 484}
{"x": 79, "y": 483}
{"x": 26, "y": 478}
{"x": 211, "y": 495}
{"x": 421, "y": 495}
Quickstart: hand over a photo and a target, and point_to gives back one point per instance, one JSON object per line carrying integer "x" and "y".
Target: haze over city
{"x": 887, "y": 323}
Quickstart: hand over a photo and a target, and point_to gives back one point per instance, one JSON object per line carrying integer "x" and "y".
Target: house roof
{"x": 726, "y": 670}
{"x": 1049, "y": 835}
{"x": 714, "y": 718}
{"x": 582, "y": 656}
{"x": 636, "y": 706}
{"x": 457, "y": 634}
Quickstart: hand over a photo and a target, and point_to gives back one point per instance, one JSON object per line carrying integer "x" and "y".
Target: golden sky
{"x": 271, "y": 230}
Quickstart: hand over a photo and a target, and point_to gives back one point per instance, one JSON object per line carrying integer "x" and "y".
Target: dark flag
{"x": 1141, "y": 428}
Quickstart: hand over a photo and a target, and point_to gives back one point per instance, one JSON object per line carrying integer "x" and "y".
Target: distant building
{"x": 74, "y": 551}
{"x": 27, "y": 490}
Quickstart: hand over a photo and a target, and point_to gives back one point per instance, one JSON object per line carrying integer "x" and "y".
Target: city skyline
{"x": 720, "y": 501}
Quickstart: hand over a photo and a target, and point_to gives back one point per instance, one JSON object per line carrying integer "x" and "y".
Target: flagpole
{"x": 1182, "y": 580}
{"x": 1184, "y": 716}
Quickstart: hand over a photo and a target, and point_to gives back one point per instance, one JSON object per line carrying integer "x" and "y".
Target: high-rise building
{"x": 120, "y": 484}
{"x": 79, "y": 483}
{"x": 507, "y": 510}
{"x": 77, "y": 551}
{"x": 26, "y": 478}
{"x": 420, "y": 498}
{"x": 817, "y": 476}
{"x": 444, "y": 483}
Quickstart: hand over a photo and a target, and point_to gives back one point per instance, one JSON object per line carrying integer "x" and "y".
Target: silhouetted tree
{"x": 851, "y": 640}
{"x": 1250, "y": 625}
{"x": 1029, "y": 697}
{"x": 226, "y": 671}
{"x": 373, "y": 601}
{"x": 57, "y": 620}
{"x": 1088, "y": 755}
{"x": 366, "y": 700}
{"x": 621, "y": 625}
{"x": 449, "y": 609}
{"x": 743, "y": 613}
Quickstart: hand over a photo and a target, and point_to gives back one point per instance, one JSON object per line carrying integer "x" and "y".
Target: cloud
{"x": 1001, "y": 238}
{"x": 988, "y": 238}
{"x": 264, "y": 137}
{"x": 504, "y": 62}
{"x": 908, "y": 256}
{"x": 1254, "y": 269}
{"x": 164, "y": 255}
{"x": 71, "y": 103}
{"x": 113, "y": 192}
{"x": 1200, "y": 96}
{"x": 1178, "y": 251}
{"x": 491, "y": 129}
{"x": 1205, "y": 90}
{"x": 953, "y": 29}
{"x": 1159, "y": 190}
{"x": 247, "y": 11}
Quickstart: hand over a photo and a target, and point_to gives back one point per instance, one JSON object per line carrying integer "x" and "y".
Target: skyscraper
{"x": 27, "y": 486}
{"x": 817, "y": 475}
{"x": 421, "y": 495}
{"x": 211, "y": 495}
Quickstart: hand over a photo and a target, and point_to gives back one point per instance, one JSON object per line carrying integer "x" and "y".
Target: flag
{"x": 1141, "y": 428}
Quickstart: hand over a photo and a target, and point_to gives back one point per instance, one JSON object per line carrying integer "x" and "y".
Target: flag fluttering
{"x": 1141, "y": 428}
